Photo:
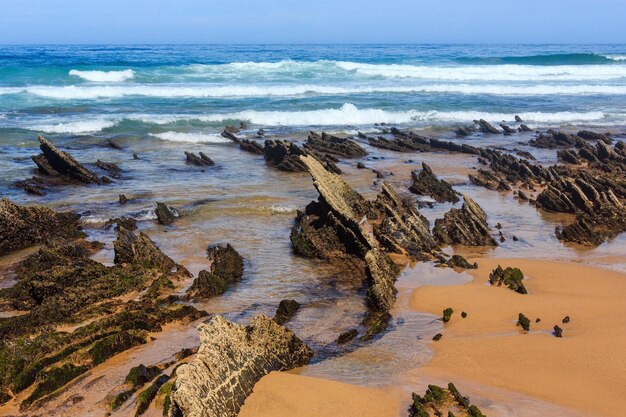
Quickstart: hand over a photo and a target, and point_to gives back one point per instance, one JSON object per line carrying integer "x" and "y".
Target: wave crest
{"x": 104, "y": 76}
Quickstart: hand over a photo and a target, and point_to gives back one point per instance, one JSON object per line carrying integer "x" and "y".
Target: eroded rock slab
{"x": 230, "y": 361}
{"x": 54, "y": 162}
{"x": 465, "y": 226}
{"x": 342, "y": 147}
{"x": 226, "y": 268}
{"x": 426, "y": 183}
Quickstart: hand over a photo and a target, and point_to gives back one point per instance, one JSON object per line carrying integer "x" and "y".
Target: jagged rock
{"x": 447, "y": 314}
{"x": 286, "y": 310}
{"x": 436, "y": 144}
{"x": 569, "y": 156}
{"x": 437, "y": 337}
{"x": 251, "y": 146}
{"x": 113, "y": 144}
{"x": 402, "y": 228}
{"x": 589, "y": 135}
{"x": 286, "y": 155}
{"x": 518, "y": 119}
{"x": 231, "y": 129}
{"x": 486, "y": 127}
{"x": 510, "y": 277}
{"x": 23, "y": 226}
{"x": 463, "y": 314}
{"x": 34, "y": 186}
{"x": 201, "y": 161}
{"x": 260, "y": 133}
{"x": 441, "y": 402}
{"x": 426, "y": 183}
{"x": 580, "y": 232}
{"x": 226, "y": 268}
{"x": 165, "y": 215}
{"x": 123, "y": 199}
{"x": 329, "y": 144}
{"x": 231, "y": 359}
{"x": 457, "y": 261}
{"x": 467, "y": 226}
{"x": 360, "y": 165}
{"x": 127, "y": 223}
{"x": 523, "y": 322}
{"x": 555, "y": 139}
{"x": 565, "y": 320}
{"x": 54, "y": 162}
{"x": 131, "y": 248}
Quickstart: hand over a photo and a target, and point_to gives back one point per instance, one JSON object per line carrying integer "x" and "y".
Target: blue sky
{"x": 312, "y": 21}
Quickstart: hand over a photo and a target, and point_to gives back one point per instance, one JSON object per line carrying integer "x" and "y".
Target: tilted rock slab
{"x": 55, "y": 162}
{"x": 131, "y": 248}
{"x": 467, "y": 226}
{"x": 23, "y": 226}
{"x": 230, "y": 361}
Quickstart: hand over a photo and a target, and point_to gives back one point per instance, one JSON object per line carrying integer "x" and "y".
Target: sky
{"x": 312, "y": 21}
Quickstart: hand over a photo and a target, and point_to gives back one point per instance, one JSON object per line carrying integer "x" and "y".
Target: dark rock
{"x": 378, "y": 173}
{"x": 565, "y": 319}
{"x": 507, "y": 129}
{"x": 457, "y": 261}
{"x": 447, "y": 314}
{"x": 467, "y": 226}
{"x": 361, "y": 165}
{"x": 23, "y": 226}
{"x": 113, "y": 144}
{"x": 141, "y": 374}
{"x": 140, "y": 249}
{"x": 524, "y": 128}
{"x": 201, "y": 161}
{"x": 231, "y": 359}
{"x": 286, "y": 155}
{"x": 347, "y": 337}
{"x": 464, "y": 131}
{"x": 123, "y": 199}
{"x": 135, "y": 156}
{"x": 251, "y": 146}
{"x": 486, "y": 127}
{"x": 113, "y": 170}
{"x": 589, "y": 135}
{"x": 231, "y": 129}
{"x": 34, "y": 186}
{"x": 442, "y": 402}
{"x": 579, "y": 232}
{"x": 437, "y": 337}
{"x": 426, "y": 183}
{"x": 146, "y": 396}
{"x": 329, "y": 144}
{"x": 554, "y": 139}
{"x": 127, "y": 223}
{"x": 523, "y": 322}
{"x": 463, "y": 314}
{"x": 510, "y": 277}
{"x": 286, "y": 310}
{"x": 55, "y": 162}
{"x": 165, "y": 215}
{"x": 518, "y": 119}
{"x": 226, "y": 268}
{"x": 260, "y": 133}
{"x": 558, "y": 332}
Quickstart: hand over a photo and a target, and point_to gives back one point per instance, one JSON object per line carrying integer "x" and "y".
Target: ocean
{"x": 187, "y": 93}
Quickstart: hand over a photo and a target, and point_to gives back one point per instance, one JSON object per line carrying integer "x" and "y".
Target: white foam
{"x": 81, "y": 126}
{"x": 190, "y": 137}
{"x": 349, "y": 114}
{"x": 205, "y": 91}
{"x": 104, "y": 76}
{"x": 616, "y": 57}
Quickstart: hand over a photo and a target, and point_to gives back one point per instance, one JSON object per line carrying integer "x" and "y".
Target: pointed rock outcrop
{"x": 426, "y": 183}
{"x": 465, "y": 226}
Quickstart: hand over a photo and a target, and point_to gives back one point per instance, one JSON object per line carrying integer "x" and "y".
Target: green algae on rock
{"x": 510, "y": 277}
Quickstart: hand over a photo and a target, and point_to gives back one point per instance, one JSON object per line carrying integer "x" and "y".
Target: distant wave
{"x": 204, "y": 91}
{"x": 616, "y": 57}
{"x": 350, "y": 115}
{"x": 104, "y": 76}
{"x": 81, "y": 126}
{"x": 548, "y": 59}
{"x": 190, "y": 137}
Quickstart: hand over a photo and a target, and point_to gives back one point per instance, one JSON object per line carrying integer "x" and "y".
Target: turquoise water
{"x": 187, "y": 93}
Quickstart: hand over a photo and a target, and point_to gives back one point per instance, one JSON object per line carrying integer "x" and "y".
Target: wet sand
{"x": 282, "y": 394}
{"x": 585, "y": 370}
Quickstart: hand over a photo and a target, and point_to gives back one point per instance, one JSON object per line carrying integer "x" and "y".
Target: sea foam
{"x": 104, "y": 76}
{"x": 81, "y": 126}
{"x": 190, "y": 137}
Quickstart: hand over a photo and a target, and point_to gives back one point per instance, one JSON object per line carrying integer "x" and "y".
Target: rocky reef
{"x": 231, "y": 359}
{"x": 24, "y": 226}
{"x": 334, "y": 145}
{"x": 226, "y": 268}
{"x": 285, "y": 156}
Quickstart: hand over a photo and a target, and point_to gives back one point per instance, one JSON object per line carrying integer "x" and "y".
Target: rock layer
{"x": 465, "y": 226}
{"x": 426, "y": 183}
{"x": 231, "y": 359}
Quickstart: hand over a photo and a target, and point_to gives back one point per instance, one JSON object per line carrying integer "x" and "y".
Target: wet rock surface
{"x": 165, "y": 214}
{"x": 465, "y": 226}
{"x": 24, "y": 226}
{"x": 329, "y": 144}
{"x": 226, "y": 268}
{"x": 286, "y": 310}
{"x": 201, "y": 161}
{"x": 509, "y": 277}
{"x": 285, "y": 156}
{"x": 439, "y": 401}
{"x": 54, "y": 162}
{"x": 426, "y": 183}
{"x": 231, "y": 359}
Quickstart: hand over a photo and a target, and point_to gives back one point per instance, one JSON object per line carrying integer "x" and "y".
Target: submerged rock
{"x": 131, "y": 248}
{"x": 165, "y": 214}
{"x": 467, "y": 226}
{"x": 510, "y": 277}
{"x": 113, "y": 170}
{"x": 426, "y": 183}
{"x": 231, "y": 359}
{"x": 486, "y": 127}
{"x": 54, "y": 162}
{"x": 24, "y": 226}
{"x": 200, "y": 161}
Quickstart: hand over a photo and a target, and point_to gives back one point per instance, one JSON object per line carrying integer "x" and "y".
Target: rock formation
{"x": 465, "y": 226}
{"x": 226, "y": 268}
{"x": 286, "y": 155}
{"x": 329, "y": 144}
{"x": 23, "y": 226}
{"x": 231, "y": 359}
{"x": 426, "y": 183}
{"x": 200, "y": 161}
{"x": 53, "y": 162}
{"x": 439, "y": 401}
